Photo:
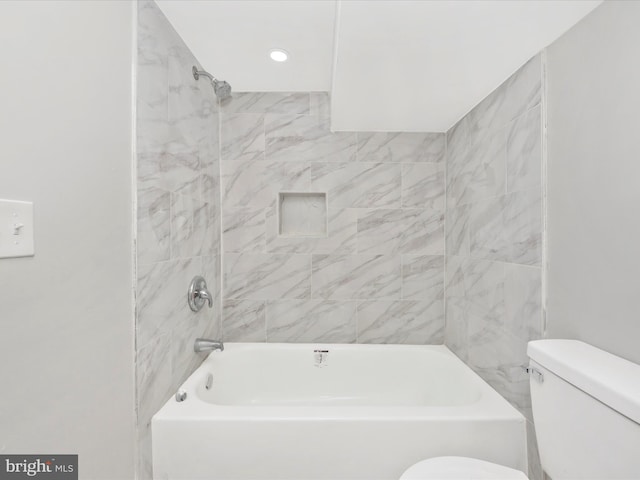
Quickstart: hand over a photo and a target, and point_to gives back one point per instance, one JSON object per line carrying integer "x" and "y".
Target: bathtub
{"x": 331, "y": 412}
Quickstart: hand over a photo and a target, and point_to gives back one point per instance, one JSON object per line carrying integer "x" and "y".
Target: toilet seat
{"x": 460, "y": 468}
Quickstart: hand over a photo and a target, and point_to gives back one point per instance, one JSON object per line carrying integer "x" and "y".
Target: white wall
{"x": 66, "y": 316}
{"x": 594, "y": 181}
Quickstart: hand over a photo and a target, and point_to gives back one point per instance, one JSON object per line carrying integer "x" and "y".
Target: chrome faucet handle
{"x": 198, "y": 294}
{"x": 204, "y": 294}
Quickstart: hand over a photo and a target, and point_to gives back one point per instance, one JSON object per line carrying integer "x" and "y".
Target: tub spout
{"x": 206, "y": 345}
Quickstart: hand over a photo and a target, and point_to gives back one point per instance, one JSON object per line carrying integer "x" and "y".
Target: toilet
{"x": 586, "y": 410}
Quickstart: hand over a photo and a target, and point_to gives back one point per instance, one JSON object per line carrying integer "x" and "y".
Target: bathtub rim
{"x": 490, "y": 406}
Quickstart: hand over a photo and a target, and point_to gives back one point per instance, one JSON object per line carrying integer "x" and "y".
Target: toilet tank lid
{"x": 611, "y": 379}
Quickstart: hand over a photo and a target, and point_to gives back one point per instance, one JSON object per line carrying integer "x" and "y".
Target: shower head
{"x": 221, "y": 88}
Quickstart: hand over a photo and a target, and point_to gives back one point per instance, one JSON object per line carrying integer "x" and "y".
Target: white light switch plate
{"x": 16, "y": 229}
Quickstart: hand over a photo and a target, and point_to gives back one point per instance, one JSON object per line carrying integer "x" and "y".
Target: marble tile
{"x": 153, "y": 362}
{"x": 523, "y": 301}
{"x": 474, "y": 298}
{"x": 192, "y": 226}
{"x": 524, "y": 151}
{"x": 306, "y": 138}
{"x": 266, "y": 276}
{"x": 212, "y": 272}
{"x": 174, "y": 168}
{"x": 403, "y": 321}
{"x": 516, "y": 95}
{"x": 377, "y": 147}
{"x": 244, "y": 321}
{"x": 211, "y": 225}
{"x": 457, "y": 230}
{"x": 348, "y": 277}
{"x": 483, "y": 283}
{"x": 423, "y": 185}
{"x": 340, "y": 238}
{"x": 498, "y": 358}
{"x": 178, "y": 216}
{"x": 422, "y": 277}
{"x": 310, "y": 321}
{"x": 456, "y": 328}
{"x": 192, "y": 104}
{"x": 480, "y": 170}
{"x": 244, "y": 230}
{"x": 154, "y": 226}
{"x": 161, "y": 298}
{"x": 400, "y": 231}
{"x": 508, "y": 228}
{"x": 152, "y": 107}
{"x": 269, "y": 102}
{"x": 242, "y": 137}
{"x": 209, "y": 149}
{"x": 362, "y": 185}
{"x": 493, "y": 216}
{"x": 185, "y": 330}
{"x": 320, "y": 104}
{"x": 257, "y": 183}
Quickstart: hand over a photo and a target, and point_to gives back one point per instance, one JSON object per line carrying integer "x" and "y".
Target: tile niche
{"x": 302, "y": 214}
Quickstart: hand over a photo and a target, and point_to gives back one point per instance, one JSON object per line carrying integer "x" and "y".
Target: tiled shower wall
{"x": 377, "y": 276}
{"x": 178, "y": 234}
{"x": 494, "y": 237}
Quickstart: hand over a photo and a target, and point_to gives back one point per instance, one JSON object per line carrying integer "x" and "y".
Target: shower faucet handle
{"x": 198, "y": 294}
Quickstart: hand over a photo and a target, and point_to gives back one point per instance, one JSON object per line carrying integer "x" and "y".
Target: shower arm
{"x": 197, "y": 73}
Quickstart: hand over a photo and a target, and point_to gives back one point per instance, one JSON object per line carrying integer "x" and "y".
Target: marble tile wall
{"x": 494, "y": 237}
{"x": 377, "y": 276}
{"x": 178, "y": 216}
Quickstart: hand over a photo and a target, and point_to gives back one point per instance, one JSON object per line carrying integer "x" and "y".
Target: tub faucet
{"x": 206, "y": 345}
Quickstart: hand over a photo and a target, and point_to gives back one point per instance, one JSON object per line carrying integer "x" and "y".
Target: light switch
{"x": 16, "y": 229}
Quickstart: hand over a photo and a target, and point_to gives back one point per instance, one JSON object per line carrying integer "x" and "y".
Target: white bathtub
{"x": 368, "y": 412}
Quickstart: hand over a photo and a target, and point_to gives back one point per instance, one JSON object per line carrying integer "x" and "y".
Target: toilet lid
{"x": 460, "y": 468}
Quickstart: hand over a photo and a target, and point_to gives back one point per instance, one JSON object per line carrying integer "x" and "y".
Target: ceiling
{"x": 390, "y": 65}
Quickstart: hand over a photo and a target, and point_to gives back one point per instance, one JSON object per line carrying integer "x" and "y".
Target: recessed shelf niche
{"x": 302, "y": 214}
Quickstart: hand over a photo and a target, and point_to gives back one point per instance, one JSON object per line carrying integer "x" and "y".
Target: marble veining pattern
{"x": 263, "y": 277}
{"x": 401, "y": 231}
{"x": 311, "y": 321}
{"x": 422, "y": 277}
{"x": 401, "y": 321}
{"x": 493, "y": 273}
{"x": 244, "y": 230}
{"x": 178, "y": 216}
{"x": 362, "y": 185}
{"x": 400, "y": 147}
{"x": 242, "y": 137}
{"x": 356, "y": 276}
{"x": 244, "y": 321}
{"x": 306, "y": 138}
{"x": 340, "y": 238}
{"x": 423, "y": 185}
{"x": 257, "y": 182}
{"x": 384, "y": 236}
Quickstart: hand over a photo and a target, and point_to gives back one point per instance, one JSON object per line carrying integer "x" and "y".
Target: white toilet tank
{"x": 586, "y": 411}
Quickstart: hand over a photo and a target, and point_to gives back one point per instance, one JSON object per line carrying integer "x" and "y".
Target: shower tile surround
{"x": 493, "y": 237}
{"x": 178, "y": 216}
{"x": 377, "y": 274}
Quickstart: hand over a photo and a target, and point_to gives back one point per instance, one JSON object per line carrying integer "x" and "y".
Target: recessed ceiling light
{"x": 278, "y": 55}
